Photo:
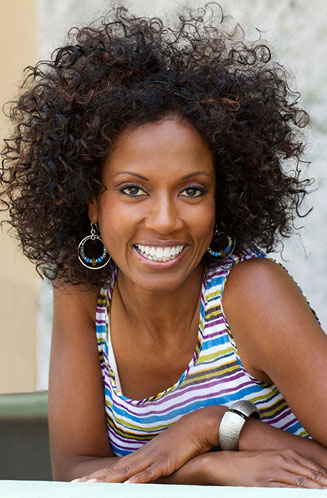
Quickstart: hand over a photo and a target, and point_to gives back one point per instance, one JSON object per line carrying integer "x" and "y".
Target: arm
{"x": 269, "y": 468}
{"x": 180, "y": 455}
{"x": 279, "y": 339}
{"x": 78, "y": 433}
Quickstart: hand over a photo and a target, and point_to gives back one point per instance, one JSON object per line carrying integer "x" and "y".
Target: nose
{"x": 163, "y": 216}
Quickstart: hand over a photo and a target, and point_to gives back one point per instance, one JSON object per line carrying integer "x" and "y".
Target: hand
{"x": 268, "y": 468}
{"x": 191, "y": 435}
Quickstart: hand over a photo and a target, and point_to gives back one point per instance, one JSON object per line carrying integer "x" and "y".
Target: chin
{"x": 161, "y": 283}
{"x": 160, "y": 286}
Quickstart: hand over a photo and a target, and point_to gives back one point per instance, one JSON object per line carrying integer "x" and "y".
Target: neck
{"x": 161, "y": 314}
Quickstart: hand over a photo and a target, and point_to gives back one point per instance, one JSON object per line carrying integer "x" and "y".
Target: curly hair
{"x": 124, "y": 71}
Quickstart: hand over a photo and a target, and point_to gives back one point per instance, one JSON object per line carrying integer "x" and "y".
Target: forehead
{"x": 171, "y": 145}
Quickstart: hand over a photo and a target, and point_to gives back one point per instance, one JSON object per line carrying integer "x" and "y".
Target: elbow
{"x": 66, "y": 470}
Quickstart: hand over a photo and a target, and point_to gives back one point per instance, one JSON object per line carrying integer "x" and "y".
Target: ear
{"x": 93, "y": 211}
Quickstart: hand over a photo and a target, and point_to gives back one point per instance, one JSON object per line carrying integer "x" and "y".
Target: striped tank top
{"x": 215, "y": 374}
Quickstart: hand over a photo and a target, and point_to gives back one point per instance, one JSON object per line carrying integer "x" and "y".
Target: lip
{"x": 158, "y": 265}
{"x": 161, "y": 243}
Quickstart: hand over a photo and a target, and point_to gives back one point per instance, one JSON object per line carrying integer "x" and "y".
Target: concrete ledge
{"x": 30, "y": 489}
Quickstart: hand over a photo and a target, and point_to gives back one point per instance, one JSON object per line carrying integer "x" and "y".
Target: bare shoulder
{"x": 256, "y": 274}
{"x": 74, "y": 302}
{"x": 278, "y": 337}
{"x": 262, "y": 286}
{"x": 251, "y": 298}
{"x": 263, "y": 300}
{"x": 81, "y": 294}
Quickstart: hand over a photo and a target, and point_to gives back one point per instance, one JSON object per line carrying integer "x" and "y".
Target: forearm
{"x": 257, "y": 435}
{"x": 256, "y": 438}
{"x": 217, "y": 467}
{"x": 195, "y": 471}
{"x": 264, "y": 468}
{"x": 81, "y": 467}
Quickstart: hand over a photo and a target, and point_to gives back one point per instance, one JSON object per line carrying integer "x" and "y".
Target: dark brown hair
{"x": 127, "y": 70}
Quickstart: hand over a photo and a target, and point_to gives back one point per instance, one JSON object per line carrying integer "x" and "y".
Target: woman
{"x": 149, "y": 163}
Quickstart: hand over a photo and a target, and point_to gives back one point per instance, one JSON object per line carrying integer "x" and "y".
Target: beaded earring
{"x": 222, "y": 246}
{"x": 91, "y": 245}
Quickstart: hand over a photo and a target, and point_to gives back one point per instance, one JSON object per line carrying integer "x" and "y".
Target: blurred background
{"x": 31, "y": 29}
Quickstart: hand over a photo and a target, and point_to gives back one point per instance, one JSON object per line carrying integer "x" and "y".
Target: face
{"x": 157, "y": 214}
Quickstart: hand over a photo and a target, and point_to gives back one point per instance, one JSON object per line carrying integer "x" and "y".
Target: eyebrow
{"x": 133, "y": 174}
{"x": 190, "y": 175}
{"x": 185, "y": 177}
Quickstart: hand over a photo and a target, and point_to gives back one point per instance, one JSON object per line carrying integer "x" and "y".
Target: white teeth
{"x": 159, "y": 253}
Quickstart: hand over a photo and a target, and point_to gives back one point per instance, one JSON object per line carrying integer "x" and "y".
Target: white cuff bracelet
{"x": 232, "y": 422}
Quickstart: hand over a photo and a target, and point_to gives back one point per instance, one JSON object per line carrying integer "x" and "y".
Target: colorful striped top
{"x": 215, "y": 374}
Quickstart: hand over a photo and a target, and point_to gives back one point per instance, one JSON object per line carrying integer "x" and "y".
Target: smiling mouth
{"x": 162, "y": 254}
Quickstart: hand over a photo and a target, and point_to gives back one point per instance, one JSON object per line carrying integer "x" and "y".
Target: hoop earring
{"x": 93, "y": 262}
{"x": 220, "y": 239}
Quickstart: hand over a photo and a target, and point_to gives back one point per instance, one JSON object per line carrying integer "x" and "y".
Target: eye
{"x": 193, "y": 192}
{"x": 132, "y": 191}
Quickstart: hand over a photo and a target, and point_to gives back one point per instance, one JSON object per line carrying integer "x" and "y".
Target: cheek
{"x": 209, "y": 230}
{"x": 107, "y": 210}
{"x": 117, "y": 225}
{"x": 204, "y": 221}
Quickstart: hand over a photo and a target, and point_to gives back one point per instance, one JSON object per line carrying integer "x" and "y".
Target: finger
{"x": 309, "y": 463}
{"x": 313, "y": 479}
{"x": 311, "y": 470}
{"x": 150, "y": 464}
{"x": 276, "y": 484}
{"x": 152, "y": 473}
{"x": 303, "y": 482}
{"x": 106, "y": 475}
{"x": 301, "y": 477}
{"x": 121, "y": 474}
{"x": 86, "y": 479}
{"x": 122, "y": 471}
{"x": 94, "y": 480}
{"x": 119, "y": 471}
{"x": 318, "y": 475}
